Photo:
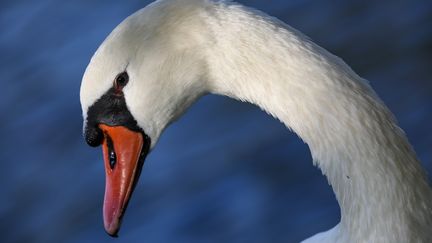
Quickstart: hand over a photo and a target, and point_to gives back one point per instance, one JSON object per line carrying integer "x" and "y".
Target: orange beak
{"x": 123, "y": 151}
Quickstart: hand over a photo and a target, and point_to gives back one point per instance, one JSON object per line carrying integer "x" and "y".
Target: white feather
{"x": 176, "y": 51}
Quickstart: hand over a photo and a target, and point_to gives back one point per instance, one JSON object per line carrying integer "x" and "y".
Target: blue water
{"x": 226, "y": 172}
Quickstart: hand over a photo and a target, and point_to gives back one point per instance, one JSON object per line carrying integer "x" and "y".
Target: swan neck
{"x": 353, "y": 138}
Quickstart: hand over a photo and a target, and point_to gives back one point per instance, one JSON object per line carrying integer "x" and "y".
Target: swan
{"x": 161, "y": 59}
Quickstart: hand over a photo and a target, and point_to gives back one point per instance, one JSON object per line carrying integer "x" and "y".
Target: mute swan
{"x": 161, "y": 59}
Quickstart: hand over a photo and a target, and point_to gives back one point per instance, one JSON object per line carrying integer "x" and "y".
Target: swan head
{"x": 139, "y": 80}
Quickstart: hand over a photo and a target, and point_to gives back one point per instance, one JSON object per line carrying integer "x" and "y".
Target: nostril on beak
{"x": 111, "y": 152}
{"x": 93, "y": 136}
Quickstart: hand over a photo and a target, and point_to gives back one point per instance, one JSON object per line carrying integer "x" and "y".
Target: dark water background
{"x": 226, "y": 172}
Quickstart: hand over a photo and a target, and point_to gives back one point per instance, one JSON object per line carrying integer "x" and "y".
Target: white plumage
{"x": 176, "y": 51}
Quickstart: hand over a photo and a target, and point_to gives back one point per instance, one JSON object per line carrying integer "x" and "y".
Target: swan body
{"x": 177, "y": 51}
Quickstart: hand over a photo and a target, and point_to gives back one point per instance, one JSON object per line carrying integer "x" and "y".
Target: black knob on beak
{"x": 93, "y": 136}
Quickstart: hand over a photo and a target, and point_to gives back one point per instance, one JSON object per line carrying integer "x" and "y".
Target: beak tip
{"x": 112, "y": 230}
{"x": 114, "y": 235}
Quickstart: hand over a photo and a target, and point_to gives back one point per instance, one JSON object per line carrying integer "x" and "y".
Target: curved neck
{"x": 379, "y": 184}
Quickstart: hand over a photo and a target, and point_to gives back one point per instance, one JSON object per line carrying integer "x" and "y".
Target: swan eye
{"x": 121, "y": 80}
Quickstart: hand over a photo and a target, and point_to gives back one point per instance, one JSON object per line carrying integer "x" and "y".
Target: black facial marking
{"x": 110, "y": 110}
